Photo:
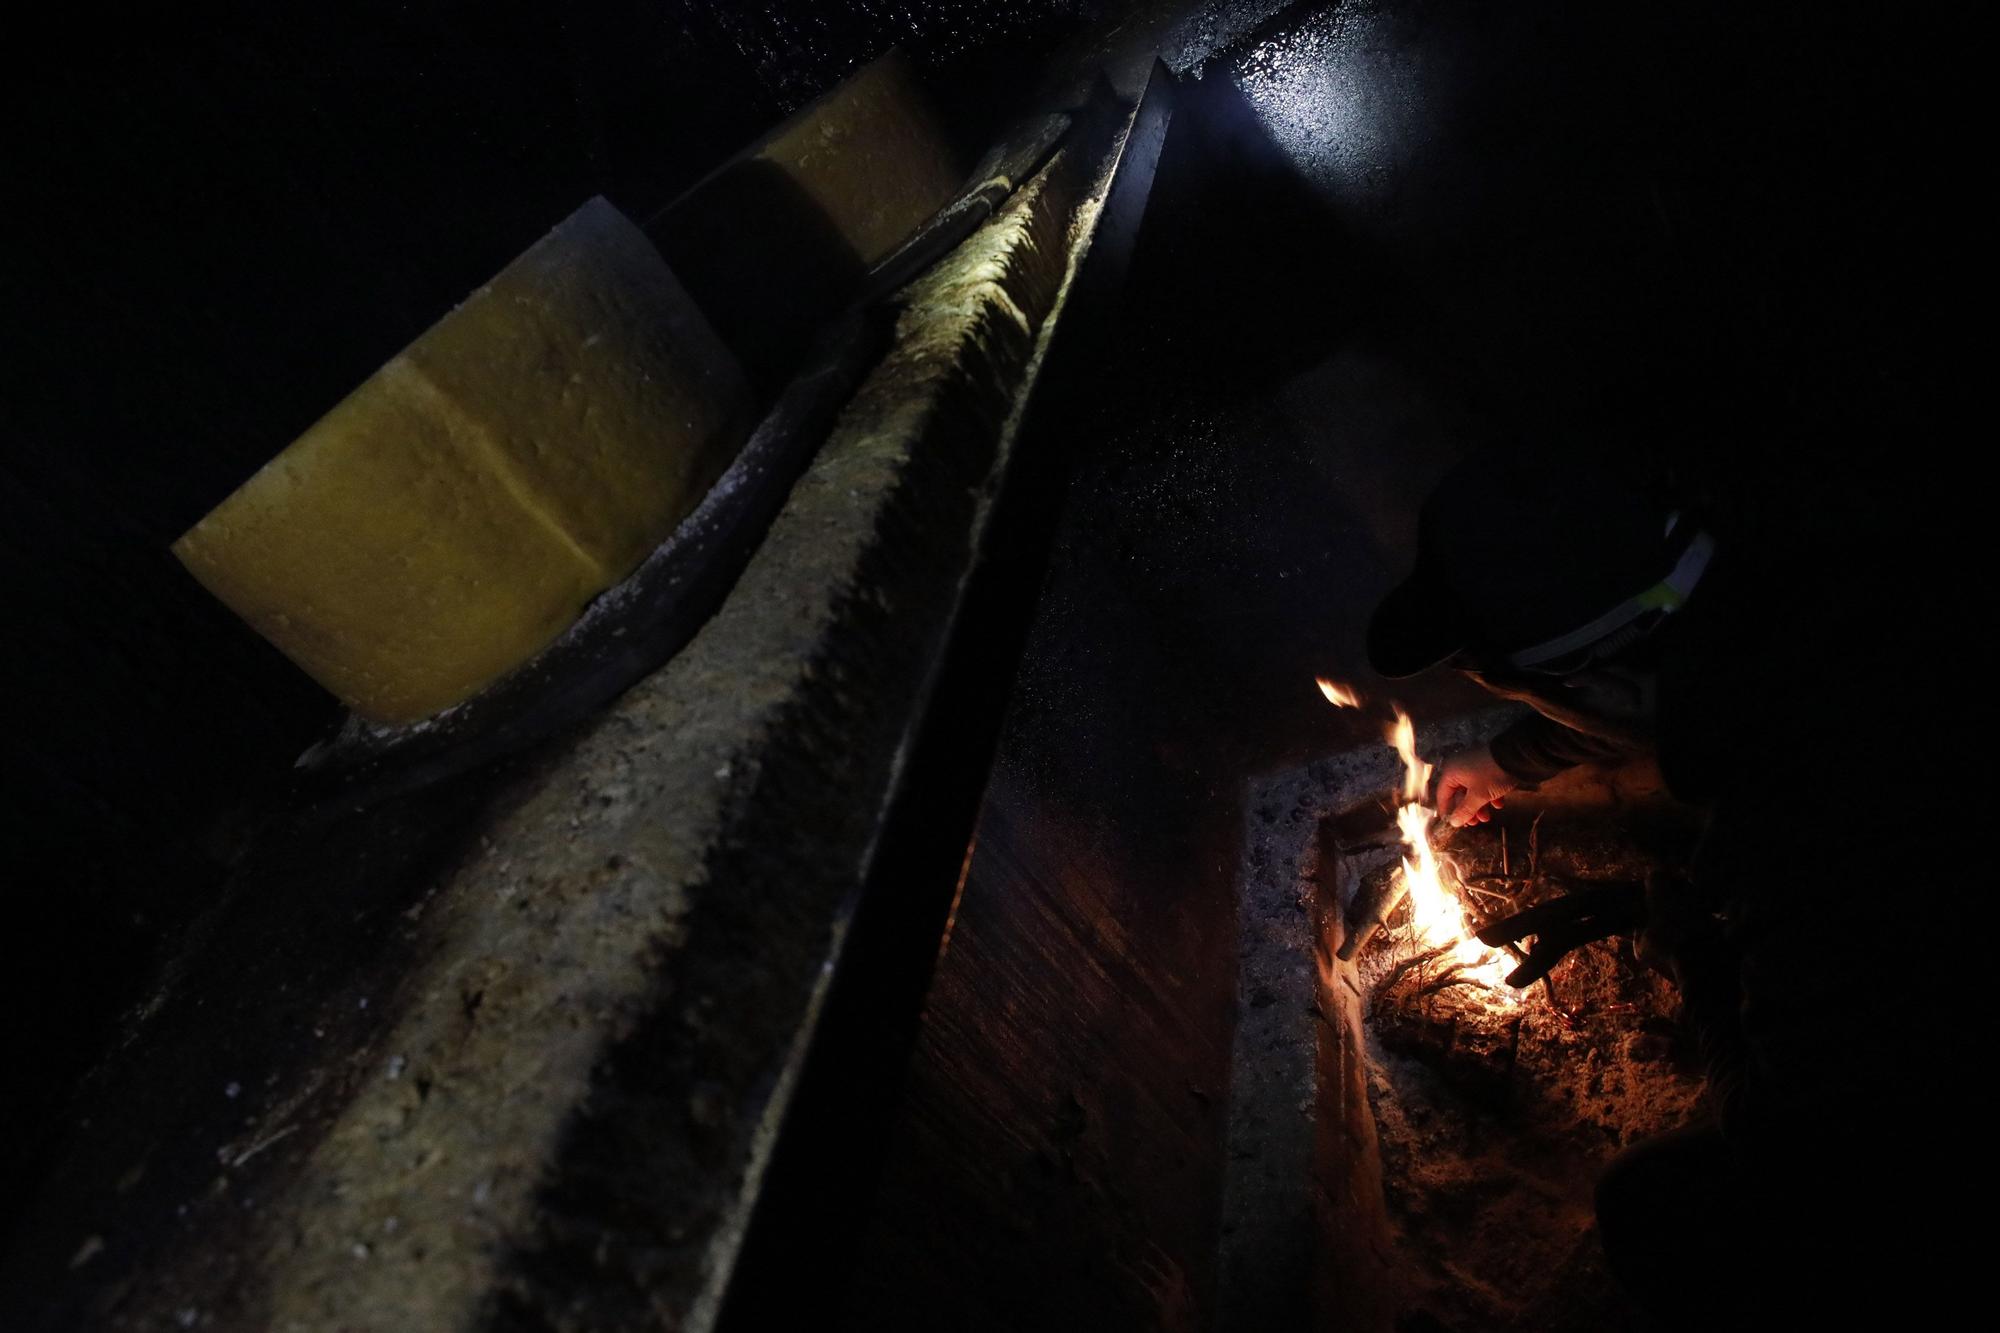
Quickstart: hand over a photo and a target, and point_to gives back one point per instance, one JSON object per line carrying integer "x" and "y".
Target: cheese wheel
{"x": 872, "y": 155}
{"x": 455, "y": 513}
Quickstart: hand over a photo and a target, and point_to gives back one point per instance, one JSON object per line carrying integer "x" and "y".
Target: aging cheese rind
{"x": 873, "y": 155}
{"x": 452, "y": 515}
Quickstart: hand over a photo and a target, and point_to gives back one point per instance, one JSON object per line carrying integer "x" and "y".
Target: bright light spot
{"x": 1340, "y": 97}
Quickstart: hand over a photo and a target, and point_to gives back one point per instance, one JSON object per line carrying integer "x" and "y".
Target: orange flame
{"x": 1437, "y": 916}
{"x": 1340, "y": 696}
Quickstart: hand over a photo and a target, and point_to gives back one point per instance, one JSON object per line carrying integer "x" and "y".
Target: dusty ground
{"x": 1495, "y": 1114}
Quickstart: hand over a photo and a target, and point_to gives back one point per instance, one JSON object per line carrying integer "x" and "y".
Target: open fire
{"x": 1482, "y": 1109}
{"x": 1437, "y": 911}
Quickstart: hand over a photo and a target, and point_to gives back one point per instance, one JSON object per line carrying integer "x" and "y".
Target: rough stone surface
{"x": 1303, "y": 1230}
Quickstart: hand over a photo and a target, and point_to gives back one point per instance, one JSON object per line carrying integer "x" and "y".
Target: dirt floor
{"x": 1496, "y": 1111}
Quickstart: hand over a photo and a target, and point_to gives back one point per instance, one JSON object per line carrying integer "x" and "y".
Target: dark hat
{"x": 1514, "y": 549}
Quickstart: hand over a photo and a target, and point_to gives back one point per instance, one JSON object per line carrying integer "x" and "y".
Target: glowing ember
{"x": 1340, "y": 696}
{"x": 1436, "y": 914}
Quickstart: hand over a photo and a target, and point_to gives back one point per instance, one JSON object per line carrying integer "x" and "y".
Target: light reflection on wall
{"x": 1339, "y": 98}
{"x": 1209, "y": 27}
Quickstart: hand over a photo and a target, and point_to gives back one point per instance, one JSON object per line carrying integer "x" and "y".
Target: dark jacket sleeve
{"x": 1599, "y": 719}
{"x": 1537, "y": 748}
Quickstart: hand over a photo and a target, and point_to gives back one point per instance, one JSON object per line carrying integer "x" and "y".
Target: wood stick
{"x": 1402, "y": 969}
{"x": 1445, "y": 980}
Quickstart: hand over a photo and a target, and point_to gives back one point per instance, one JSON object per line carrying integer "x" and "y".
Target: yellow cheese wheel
{"x": 453, "y": 515}
{"x": 872, "y": 154}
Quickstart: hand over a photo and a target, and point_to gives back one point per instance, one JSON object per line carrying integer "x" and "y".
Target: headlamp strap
{"x": 1668, "y": 595}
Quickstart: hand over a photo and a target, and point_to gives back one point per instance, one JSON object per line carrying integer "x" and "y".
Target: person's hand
{"x": 1469, "y": 787}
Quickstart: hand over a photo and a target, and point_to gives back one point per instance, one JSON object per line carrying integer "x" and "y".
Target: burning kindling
{"x": 1439, "y": 928}
{"x": 1437, "y": 916}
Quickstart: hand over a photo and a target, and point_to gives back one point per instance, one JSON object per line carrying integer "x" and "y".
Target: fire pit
{"x": 1494, "y": 1108}
{"x": 1457, "y": 1124}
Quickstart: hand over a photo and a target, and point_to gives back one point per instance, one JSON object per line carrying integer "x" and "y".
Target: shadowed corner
{"x": 766, "y": 301}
